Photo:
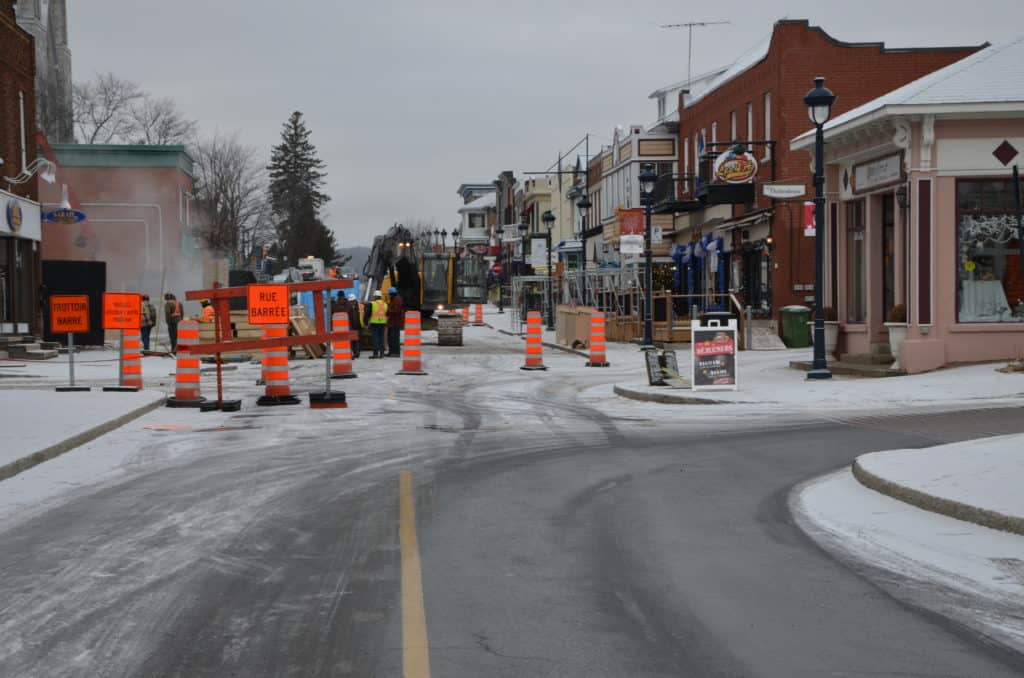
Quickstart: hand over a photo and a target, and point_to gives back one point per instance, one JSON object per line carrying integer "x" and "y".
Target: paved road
{"x": 553, "y": 540}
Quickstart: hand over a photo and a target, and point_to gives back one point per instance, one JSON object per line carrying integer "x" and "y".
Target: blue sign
{"x": 64, "y": 216}
{"x": 15, "y": 217}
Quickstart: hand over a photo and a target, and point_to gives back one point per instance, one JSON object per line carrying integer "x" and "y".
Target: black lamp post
{"x": 523, "y": 228}
{"x": 819, "y": 108}
{"x": 648, "y": 179}
{"x": 549, "y": 221}
{"x": 583, "y": 206}
{"x": 501, "y": 269}
{"x": 455, "y": 238}
{"x": 444, "y": 238}
{"x": 437, "y": 237}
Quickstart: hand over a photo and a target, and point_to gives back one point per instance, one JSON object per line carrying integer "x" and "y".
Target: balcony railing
{"x": 672, "y": 192}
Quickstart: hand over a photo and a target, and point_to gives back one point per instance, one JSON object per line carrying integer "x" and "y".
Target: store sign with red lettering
{"x": 713, "y": 356}
{"x": 735, "y": 167}
{"x": 268, "y": 304}
{"x": 631, "y": 222}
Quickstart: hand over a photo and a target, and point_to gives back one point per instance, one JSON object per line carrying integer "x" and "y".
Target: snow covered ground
{"x": 985, "y": 473}
{"x": 968, "y": 573}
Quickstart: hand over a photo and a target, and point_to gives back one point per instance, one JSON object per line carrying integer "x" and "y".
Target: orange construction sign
{"x": 268, "y": 304}
{"x": 122, "y": 310}
{"x": 69, "y": 313}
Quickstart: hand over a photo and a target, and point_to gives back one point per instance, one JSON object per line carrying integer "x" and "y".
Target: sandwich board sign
{"x": 713, "y": 355}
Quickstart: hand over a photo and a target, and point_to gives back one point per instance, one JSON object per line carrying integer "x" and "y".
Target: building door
{"x": 888, "y": 254}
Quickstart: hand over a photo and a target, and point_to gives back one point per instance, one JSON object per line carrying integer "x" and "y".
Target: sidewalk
{"x": 38, "y": 425}
{"x": 978, "y": 481}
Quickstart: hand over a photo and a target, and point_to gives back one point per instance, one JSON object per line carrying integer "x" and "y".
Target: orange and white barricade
{"x": 277, "y": 387}
{"x": 465, "y": 315}
{"x": 478, "y": 315}
{"x": 186, "y": 376}
{"x": 534, "y": 342}
{"x": 131, "y": 358}
{"x": 341, "y": 363}
{"x": 412, "y": 353}
{"x": 598, "y": 357}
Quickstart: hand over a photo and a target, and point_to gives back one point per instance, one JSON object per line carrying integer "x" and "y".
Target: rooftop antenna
{"x": 689, "y": 27}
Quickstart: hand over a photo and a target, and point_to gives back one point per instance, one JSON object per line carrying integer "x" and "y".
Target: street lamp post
{"x": 501, "y": 269}
{"x": 648, "y": 179}
{"x": 523, "y": 228}
{"x": 583, "y": 206}
{"x": 819, "y": 108}
{"x": 549, "y": 221}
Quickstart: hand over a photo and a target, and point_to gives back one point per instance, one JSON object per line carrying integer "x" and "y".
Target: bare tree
{"x": 156, "y": 121}
{"x": 230, "y": 190}
{"x": 102, "y": 106}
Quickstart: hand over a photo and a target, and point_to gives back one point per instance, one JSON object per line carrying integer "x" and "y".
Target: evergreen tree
{"x": 296, "y": 177}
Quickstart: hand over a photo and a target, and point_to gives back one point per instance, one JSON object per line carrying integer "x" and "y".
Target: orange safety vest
{"x": 379, "y": 313}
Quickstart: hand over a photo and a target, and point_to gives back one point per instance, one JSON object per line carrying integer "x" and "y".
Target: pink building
{"x": 922, "y": 216}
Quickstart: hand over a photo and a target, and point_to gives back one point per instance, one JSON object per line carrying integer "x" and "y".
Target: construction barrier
{"x": 465, "y": 315}
{"x": 534, "y": 342}
{"x": 598, "y": 358}
{"x": 412, "y": 355}
{"x": 341, "y": 365}
{"x": 478, "y": 315}
{"x": 278, "y": 390}
{"x": 186, "y": 376}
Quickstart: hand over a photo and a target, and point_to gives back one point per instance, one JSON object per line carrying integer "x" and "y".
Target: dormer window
{"x": 661, "y": 106}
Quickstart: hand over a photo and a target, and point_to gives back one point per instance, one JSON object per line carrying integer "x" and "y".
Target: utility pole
{"x": 689, "y": 48}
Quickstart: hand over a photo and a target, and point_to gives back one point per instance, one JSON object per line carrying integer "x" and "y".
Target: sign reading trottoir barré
{"x": 268, "y": 304}
{"x": 69, "y": 313}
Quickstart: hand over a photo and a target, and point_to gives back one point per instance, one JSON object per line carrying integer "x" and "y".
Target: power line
{"x": 689, "y": 48}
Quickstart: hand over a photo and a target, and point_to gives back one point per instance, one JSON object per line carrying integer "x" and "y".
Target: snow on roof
{"x": 990, "y": 76}
{"x": 747, "y": 60}
{"x": 683, "y": 84}
{"x": 483, "y": 202}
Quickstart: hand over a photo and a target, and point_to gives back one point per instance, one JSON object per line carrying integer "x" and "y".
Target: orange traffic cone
{"x": 465, "y": 315}
{"x": 341, "y": 366}
{"x": 597, "y": 341}
{"x": 412, "y": 355}
{"x": 478, "y": 314}
{"x": 129, "y": 369}
{"x": 278, "y": 390}
{"x": 534, "y": 342}
{"x": 186, "y": 376}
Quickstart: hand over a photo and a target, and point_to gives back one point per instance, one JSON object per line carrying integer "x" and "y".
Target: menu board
{"x": 713, "y": 358}
{"x": 655, "y": 375}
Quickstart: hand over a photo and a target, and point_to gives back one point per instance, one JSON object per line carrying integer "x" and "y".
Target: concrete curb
{"x": 36, "y": 458}
{"x": 667, "y": 398}
{"x": 947, "y": 507}
{"x": 559, "y": 347}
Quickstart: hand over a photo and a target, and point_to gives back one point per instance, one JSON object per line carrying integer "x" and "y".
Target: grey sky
{"x": 407, "y": 99}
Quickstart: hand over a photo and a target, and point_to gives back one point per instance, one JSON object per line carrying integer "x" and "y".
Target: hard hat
{"x": 351, "y": 297}
{"x": 392, "y": 290}
{"x": 145, "y": 296}
{"x": 376, "y": 293}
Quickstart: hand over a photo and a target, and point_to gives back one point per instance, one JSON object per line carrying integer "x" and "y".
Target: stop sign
{"x": 496, "y": 268}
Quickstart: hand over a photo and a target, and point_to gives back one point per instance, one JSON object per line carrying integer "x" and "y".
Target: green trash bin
{"x": 795, "y": 331}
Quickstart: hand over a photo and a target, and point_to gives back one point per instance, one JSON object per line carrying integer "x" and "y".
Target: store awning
{"x": 749, "y": 219}
{"x": 569, "y": 246}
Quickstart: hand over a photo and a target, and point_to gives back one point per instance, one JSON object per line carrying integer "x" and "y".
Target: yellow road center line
{"x": 415, "y": 652}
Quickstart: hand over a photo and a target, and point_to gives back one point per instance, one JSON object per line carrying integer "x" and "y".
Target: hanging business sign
{"x": 783, "y": 191}
{"x": 657, "y": 235}
{"x": 64, "y": 216}
{"x": 713, "y": 356}
{"x": 631, "y": 222}
{"x": 478, "y": 248}
{"x": 631, "y": 244}
{"x": 538, "y": 252}
{"x": 734, "y": 167}
{"x": 810, "y": 225}
{"x": 15, "y": 216}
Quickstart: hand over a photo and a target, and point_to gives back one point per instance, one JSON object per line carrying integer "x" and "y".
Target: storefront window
{"x": 856, "y": 299}
{"x": 989, "y": 272}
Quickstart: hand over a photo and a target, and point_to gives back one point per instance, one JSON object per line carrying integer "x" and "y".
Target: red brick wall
{"x": 17, "y": 74}
{"x": 857, "y": 73}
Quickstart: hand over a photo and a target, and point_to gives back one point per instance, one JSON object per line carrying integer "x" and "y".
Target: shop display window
{"x": 856, "y": 248}
{"x": 990, "y": 285}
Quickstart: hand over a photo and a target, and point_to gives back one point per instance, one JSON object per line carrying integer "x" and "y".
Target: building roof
{"x": 118, "y": 155}
{"x": 685, "y": 84}
{"x": 486, "y": 201}
{"x": 747, "y": 60}
{"x": 992, "y": 76}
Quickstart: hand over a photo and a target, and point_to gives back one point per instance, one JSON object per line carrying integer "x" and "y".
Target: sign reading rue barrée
{"x": 268, "y": 304}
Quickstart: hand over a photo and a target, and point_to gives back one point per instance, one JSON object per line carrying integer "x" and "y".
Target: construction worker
{"x": 355, "y": 321}
{"x": 208, "y": 313}
{"x": 396, "y": 321}
{"x": 376, "y": 316}
{"x": 173, "y": 315}
{"x": 148, "y": 320}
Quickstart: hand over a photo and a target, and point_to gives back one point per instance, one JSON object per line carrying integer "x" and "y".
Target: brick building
{"x": 19, "y": 211}
{"x": 730, "y": 237}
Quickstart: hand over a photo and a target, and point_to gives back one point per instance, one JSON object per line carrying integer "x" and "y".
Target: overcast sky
{"x": 407, "y": 99}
